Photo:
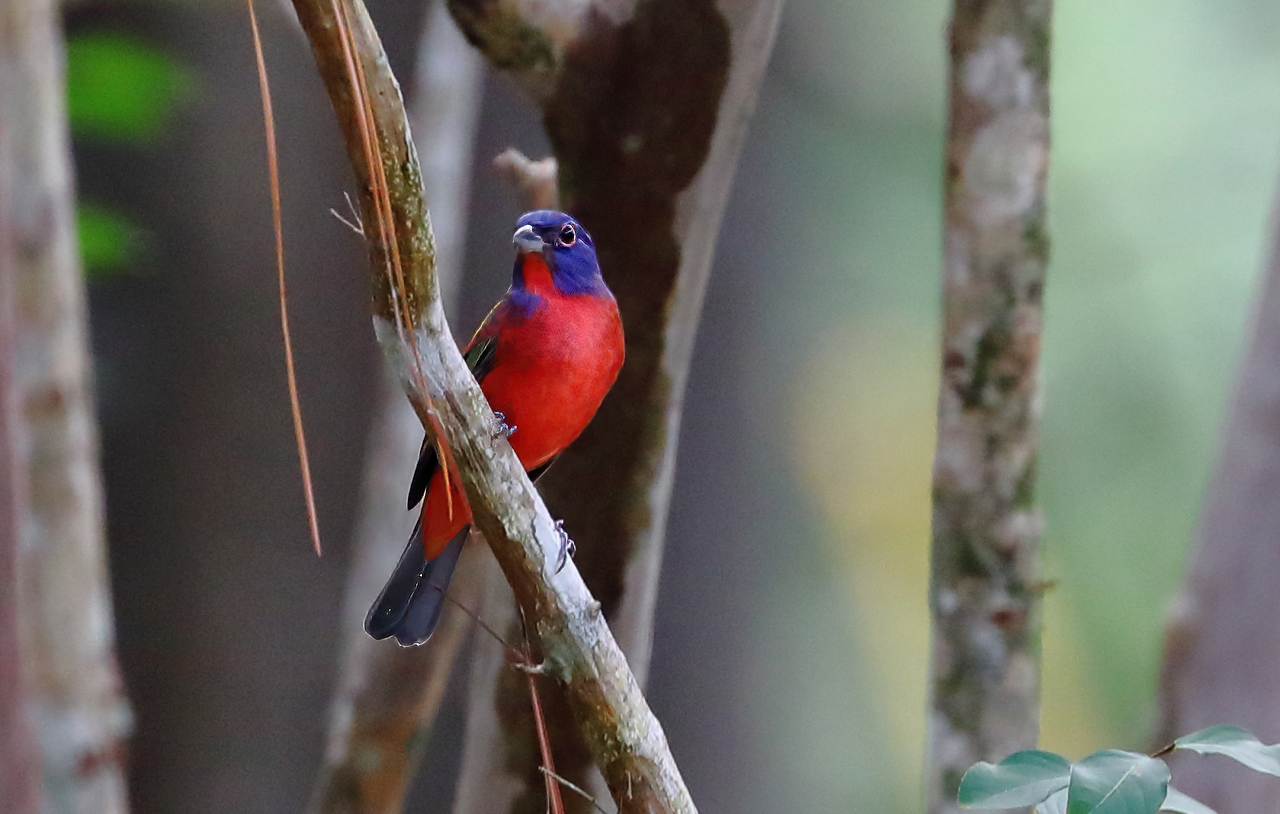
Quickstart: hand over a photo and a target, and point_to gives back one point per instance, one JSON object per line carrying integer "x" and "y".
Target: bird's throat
{"x": 536, "y": 275}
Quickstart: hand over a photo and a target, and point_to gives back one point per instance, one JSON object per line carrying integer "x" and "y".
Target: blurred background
{"x": 790, "y": 650}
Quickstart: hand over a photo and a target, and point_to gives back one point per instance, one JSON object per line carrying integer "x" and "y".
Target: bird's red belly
{"x": 549, "y": 376}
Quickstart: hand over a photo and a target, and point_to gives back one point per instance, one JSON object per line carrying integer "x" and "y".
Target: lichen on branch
{"x": 984, "y": 687}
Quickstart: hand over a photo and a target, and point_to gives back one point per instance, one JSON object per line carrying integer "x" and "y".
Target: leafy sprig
{"x": 1107, "y": 782}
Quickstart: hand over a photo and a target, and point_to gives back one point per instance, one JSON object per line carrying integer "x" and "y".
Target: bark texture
{"x": 19, "y": 752}
{"x": 576, "y": 647}
{"x": 388, "y": 696}
{"x": 984, "y": 596}
{"x": 68, "y": 631}
{"x": 1222, "y": 646}
{"x": 646, "y": 106}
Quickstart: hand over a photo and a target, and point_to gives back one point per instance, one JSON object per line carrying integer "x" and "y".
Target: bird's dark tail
{"x": 410, "y": 603}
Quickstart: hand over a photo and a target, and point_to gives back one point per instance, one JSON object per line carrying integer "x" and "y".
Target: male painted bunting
{"x": 545, "y": 357}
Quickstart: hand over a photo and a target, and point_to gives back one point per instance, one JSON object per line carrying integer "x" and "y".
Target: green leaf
{"x": 1181, "y": 803}
{"x": 1237, "y": 744}
{"x": 108, "y": 241}
{"x": 1116, "y": 782}
{"x": 120, "y": 88}
{"x": 1021, "y": 779}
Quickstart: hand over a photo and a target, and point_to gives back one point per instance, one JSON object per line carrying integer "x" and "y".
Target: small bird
{"x": 545, "y": 357}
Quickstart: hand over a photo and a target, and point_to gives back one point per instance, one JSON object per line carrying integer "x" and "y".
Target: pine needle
{"x": 386, "y": 231}
{"x": 273, "y": 171}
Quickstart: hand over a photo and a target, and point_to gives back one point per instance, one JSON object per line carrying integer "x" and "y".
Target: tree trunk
{"x": 1222, "y": 645}
{"x": 68, "y": 631}
{"x": 646, "y": 115}
{"x": 19, "y": 751}
{"x": 984, "y": 595}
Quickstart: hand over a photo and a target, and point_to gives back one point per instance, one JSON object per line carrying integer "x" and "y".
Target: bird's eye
{"x": 568, "y": 235}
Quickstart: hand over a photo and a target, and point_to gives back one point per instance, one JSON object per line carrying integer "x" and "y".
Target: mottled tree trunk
{"x": 985, "y": 681}
{"x": 65, "y": 605}
{"x": 646, "y": 108}
{"x": 388, "y": 695}
{"x": 1222, "y": 643}
{"x": 227, "y": 617}
{"x": 19, "y": 751}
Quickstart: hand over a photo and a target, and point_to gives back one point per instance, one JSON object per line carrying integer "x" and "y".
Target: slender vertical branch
{"x": 985, "y": 678}
{"x": 1222, "y": 646}
{"x": 388, "y": 696}
{"x": 576, "y": 646}
{"x": 80, "y": 710}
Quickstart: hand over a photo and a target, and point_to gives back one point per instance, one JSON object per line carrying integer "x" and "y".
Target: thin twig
{"x": 522, "y": 660}
{"x": 574, "y": 788}
{"x": 554, "y": 802}
{"x": 347, "y": 223}
{"x": 475, "y": 617}
{"x": 355, "y": 224}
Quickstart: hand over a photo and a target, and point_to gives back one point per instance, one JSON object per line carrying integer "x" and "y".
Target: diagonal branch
{"x": 576, "y": 645}
{"x": 387, "y": 696}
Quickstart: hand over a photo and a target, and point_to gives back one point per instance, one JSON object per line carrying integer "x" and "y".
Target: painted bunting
{"x": 545, "y": 357}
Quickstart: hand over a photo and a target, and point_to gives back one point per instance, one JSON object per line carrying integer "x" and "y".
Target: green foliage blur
{"x": 120, "y": 91}
{"x": 120, "y": 88}
{"x": 108, "y": 240}
{"x": 1166, "y": 129}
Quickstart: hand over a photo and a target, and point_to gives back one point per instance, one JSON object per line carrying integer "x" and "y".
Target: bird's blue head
{"x": 564, "y": 247}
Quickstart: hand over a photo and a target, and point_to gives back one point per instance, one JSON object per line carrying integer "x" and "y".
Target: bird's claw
{"x": 567, "y": 546}
{"x": 500, "y": 428}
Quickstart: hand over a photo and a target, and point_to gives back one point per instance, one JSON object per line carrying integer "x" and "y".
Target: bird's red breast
{"x": 556, "y": 356}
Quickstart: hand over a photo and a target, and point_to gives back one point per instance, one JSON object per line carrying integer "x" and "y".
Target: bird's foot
{"x": 567, "y": 546}
{"x": 500, "y": 428}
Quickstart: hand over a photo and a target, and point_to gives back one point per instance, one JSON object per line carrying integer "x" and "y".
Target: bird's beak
{"x": 526, "y": 240}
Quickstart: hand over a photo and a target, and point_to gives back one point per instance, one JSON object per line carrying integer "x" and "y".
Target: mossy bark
{"x": 388, "y": 696}
{"x": 984, "y": 600}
